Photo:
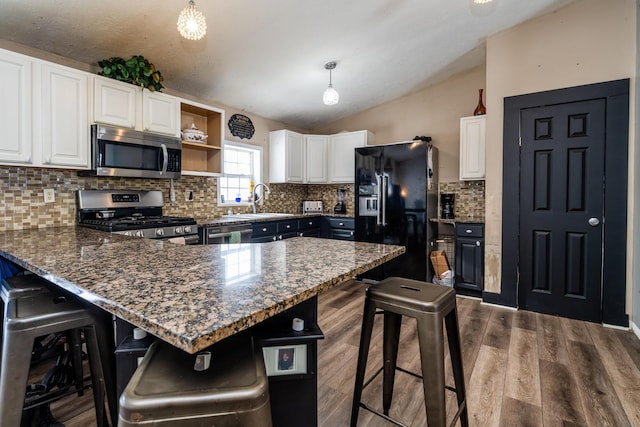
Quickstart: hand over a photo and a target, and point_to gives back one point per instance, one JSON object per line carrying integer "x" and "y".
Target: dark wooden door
{"x": 561, "y": 209}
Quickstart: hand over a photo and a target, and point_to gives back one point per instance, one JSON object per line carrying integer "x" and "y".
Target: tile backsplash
{"x": 469, "y": 199}
{"x": 22, "y": 202}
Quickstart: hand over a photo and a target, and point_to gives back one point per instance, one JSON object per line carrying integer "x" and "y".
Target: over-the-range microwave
{"x": 130, "y": 153}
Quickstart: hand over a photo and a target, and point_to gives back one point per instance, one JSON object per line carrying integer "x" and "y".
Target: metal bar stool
{"x": 172, "y": 388}
{"x": 30, "y": 312}
{"x": 429, "y": 304}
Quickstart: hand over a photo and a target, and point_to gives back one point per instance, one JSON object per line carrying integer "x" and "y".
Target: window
{"x": 241, "y": 164}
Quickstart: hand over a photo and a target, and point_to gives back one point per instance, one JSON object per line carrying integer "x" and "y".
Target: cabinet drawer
{"x": 307, "y": 223}
{"x": 469, "y": 230}
{"x": 263, "y": 228}
{"x": 287, "y": 226}
{"x": 344, "y": 223}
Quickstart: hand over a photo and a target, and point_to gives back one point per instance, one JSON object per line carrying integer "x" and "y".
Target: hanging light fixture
{"x": 191, "y": 22}
{"x": 482, "y": 7}
{"x": 331, "y": 96}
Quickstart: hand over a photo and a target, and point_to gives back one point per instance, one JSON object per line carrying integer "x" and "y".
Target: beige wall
{"x": 589, "y": 41}
{"x": 434, "y": 112}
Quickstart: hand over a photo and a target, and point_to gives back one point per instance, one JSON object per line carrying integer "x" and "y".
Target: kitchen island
{"x": 189, "y": 296}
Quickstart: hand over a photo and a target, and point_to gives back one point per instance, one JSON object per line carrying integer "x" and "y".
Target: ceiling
{"x": 267, "y": 57}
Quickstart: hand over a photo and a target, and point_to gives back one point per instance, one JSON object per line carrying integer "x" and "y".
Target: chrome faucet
{"x": 260, "y": 199}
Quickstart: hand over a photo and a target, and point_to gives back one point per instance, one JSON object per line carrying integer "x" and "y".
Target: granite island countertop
{"x": 190, "y": 296}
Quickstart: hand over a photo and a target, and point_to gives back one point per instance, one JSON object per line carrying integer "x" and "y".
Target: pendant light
{"x": 331, "y": 96}
{"x": 191, "y": 22}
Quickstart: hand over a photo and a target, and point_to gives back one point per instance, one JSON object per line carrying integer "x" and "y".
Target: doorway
{"x": 565, "y": 202}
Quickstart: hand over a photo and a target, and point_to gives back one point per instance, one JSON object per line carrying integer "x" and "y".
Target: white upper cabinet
{"x": 126, "y": 105}
{"x": 472, "y": 147}
{"x": 43, "y": 113}
{"x": 160, "y": 113}
{"x": 115, "y": 103}
{"x": 342, "y": 154}
{"x": 15, "y": 108}
{"x": 286, "y": 156}
{"x": 316, "y": 158}
{"x": 64, "y": 118}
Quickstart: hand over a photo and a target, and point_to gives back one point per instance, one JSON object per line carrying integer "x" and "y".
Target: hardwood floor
{"x": 521, "y": 369}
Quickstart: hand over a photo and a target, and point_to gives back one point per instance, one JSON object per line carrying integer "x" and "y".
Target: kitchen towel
{"x": 234, "y": 237}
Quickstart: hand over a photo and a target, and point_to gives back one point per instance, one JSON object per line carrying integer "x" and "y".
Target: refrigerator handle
{"x": 378, "y": 198}
{"x": 383, "y": 190}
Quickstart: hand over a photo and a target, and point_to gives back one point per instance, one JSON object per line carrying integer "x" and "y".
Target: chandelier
{"x": 191, "y": 22}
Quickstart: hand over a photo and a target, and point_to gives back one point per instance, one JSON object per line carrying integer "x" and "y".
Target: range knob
{"x": 139, "y": 233}
{"x": 159, "y": 232}
{"x": 179, "y": 230}
{"x": 187, "y": 229}
{"x": 127, "y": 233}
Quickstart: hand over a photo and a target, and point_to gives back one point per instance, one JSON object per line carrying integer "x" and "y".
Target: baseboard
{"x": 506, "y": 307}
{"x": 635, "y": 329}
{"x": 620, "y": 328}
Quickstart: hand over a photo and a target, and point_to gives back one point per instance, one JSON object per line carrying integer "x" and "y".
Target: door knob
{"x": 594, "y": 221}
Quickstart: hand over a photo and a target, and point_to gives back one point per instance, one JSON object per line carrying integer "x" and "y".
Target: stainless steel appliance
{"x": 397, "y": 189}
{"x": 130, "y": 153}
{"x": 311, "y": 206}
{"x": 227, "y": 233}
{"x": 135, "y": 213}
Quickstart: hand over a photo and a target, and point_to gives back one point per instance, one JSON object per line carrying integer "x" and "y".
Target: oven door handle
{"x": 165, "y": 159}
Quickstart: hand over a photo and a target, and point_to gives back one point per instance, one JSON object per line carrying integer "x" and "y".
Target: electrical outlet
{"x": 49, "y": 195}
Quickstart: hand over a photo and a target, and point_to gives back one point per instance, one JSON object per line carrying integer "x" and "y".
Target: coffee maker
{"x": 341, "y": 206}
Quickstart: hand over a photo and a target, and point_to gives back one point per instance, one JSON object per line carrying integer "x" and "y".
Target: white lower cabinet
{"x": 472, "y": 147}
{"x": 316, "y": 158}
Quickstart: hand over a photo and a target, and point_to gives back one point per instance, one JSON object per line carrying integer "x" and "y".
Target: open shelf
{"x": 202, "y": 159}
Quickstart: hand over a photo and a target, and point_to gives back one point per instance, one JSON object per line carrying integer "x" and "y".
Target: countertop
{"x": 189, "y": 296}
{"x": 464, "y": 220}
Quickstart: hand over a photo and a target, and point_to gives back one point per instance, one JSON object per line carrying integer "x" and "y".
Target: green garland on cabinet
{"x": 137, "y": 70}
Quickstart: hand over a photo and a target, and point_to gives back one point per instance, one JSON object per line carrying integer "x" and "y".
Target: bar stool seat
{"x": 166, "y": 391}
{"x": 33, "y": 310}
{"x": 429, "y": 304}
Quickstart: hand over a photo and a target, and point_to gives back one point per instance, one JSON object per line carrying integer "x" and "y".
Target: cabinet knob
{"x": 477, "y": 243}
{"x": 288, "y": 226}
{"x": 264, "y": 229}
{"x": 341, "y": 224}
{"x": 468, "y": 231}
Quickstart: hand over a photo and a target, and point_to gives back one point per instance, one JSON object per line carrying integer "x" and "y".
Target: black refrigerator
{"x": 396, "y": 192}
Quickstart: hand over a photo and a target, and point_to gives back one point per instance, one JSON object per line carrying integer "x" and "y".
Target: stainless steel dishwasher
{"x": 227, "y": 233}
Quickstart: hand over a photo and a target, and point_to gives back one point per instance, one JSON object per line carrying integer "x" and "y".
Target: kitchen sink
{"x": 262, "y": 215}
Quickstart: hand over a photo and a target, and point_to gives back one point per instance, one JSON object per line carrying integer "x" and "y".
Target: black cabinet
{"x": 340, "y": 228}
{"x": 271, "y": 231}
{"x": 309, "y": 227}
{"x": 469, "y": 254}
{"x": 264, "y": 232}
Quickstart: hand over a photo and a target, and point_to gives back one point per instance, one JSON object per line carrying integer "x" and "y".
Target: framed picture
{"x": 285, "y": 359}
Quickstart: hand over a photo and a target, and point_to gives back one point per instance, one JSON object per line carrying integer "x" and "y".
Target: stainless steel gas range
{"x": 136, "y": 213}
